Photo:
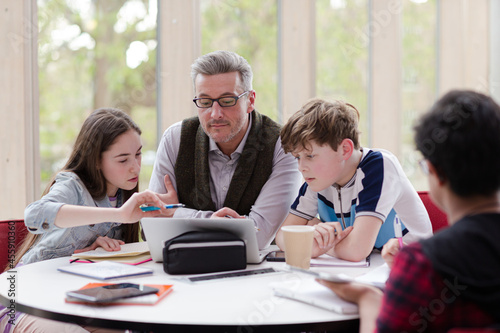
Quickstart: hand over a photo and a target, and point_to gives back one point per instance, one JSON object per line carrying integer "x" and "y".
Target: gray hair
{"x": 220, "y": 62}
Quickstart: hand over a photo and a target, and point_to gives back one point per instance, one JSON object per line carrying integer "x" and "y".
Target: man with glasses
{"x": 228, "y": 161}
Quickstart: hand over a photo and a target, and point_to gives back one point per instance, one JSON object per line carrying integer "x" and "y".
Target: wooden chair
{"x": 12, "y": 233}
{"x": 438, "y": 218}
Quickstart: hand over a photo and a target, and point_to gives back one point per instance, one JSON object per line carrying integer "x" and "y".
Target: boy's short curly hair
{"x": 323, "y": 122}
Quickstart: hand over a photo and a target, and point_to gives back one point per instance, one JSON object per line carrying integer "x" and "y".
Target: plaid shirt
{"x": 418, "y": 299}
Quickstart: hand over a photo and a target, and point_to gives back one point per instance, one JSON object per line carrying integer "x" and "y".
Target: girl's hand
{"x": 327, "y": 235}
{"x": 105, "y": 242}
{"x": 130, "y": 212}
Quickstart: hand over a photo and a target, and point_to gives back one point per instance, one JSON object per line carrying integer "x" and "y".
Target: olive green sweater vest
{"x": 254, "y": 167}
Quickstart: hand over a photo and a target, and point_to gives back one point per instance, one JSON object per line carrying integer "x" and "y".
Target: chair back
{"x": 437, "y": 216}
{"x": 12, "y": 233}
{"x": 473, "y": 330}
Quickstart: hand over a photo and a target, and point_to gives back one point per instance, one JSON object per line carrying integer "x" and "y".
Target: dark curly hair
{"x": 460, "y": 137}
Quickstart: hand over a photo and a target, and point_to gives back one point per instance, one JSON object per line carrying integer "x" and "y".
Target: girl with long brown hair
{"x": 74, "y": 213}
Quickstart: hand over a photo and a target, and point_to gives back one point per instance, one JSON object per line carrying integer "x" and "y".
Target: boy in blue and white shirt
{"x": 356, "y": 192}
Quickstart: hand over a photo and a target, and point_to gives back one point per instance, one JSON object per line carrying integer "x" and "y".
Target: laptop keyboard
{"x": 234, "y": 274}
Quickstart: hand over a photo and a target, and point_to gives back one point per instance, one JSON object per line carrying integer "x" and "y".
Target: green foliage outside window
{"x": 103, "y": 53}
{"x": 249, "y": 28}
{"x": 94, "y": 54}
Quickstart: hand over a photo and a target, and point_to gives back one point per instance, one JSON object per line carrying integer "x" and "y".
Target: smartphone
{"x": 111, "y": 292}
{"x": 276, "y": 256}
{"x": 339, "y": 278}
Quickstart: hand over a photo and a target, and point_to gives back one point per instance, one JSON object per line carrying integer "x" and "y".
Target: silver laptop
{"x": 160, "y": 229}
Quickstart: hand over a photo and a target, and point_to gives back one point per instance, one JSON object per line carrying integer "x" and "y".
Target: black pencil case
{"x": 197, "y": 252}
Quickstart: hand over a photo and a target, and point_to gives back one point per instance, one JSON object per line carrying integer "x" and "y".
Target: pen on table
{"x": 244, "y": 216}
{"x": 398, "y": 231}
{"x": 150, "y": 208}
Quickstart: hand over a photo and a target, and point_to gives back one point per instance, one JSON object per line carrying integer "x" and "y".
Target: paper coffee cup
{"x": 298, "y": 241}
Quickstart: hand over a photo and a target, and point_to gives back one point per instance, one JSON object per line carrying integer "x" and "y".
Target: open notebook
{"x": 326, "y": 260}
{"x": 130, "y": 253}
{"x": 311, "y": 292}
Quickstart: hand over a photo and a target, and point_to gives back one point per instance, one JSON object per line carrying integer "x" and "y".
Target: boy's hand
{"x": 326, "y": 236}
{"x": 390, "y": 250}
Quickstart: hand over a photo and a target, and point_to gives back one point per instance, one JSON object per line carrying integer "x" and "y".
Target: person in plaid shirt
{"x": 450, "y": 280}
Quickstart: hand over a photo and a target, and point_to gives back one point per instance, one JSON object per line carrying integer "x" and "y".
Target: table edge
{"x": 349, "y": 324}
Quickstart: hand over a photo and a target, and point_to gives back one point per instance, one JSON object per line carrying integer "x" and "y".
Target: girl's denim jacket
{"x": 57, "y": 242}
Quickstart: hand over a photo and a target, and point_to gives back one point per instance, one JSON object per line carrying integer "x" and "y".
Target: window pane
{"x": 419, "y": 78}
{"x": 249, "y": 28}
{"x": 95, "y": 54}
{"x": 342, "y": 55}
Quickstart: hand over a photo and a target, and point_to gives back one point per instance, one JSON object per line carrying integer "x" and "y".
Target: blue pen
{"x": 151, "y": 208}
{"x": 174, "y": 206}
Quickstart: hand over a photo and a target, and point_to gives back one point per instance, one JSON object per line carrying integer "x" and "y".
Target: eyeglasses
{"x": 424, "y": 166}
{"x": 224, "y": 102}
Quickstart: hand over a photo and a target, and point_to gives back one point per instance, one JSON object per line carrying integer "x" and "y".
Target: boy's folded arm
{"x": 359, "y": 243}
